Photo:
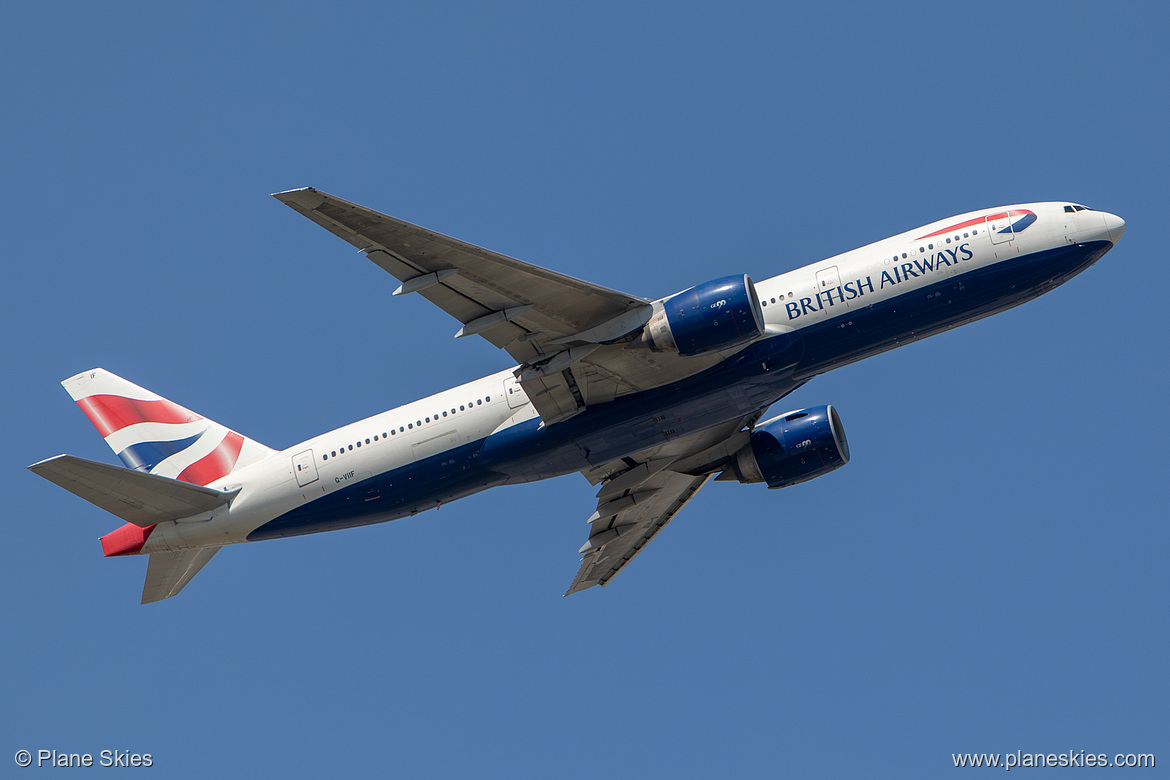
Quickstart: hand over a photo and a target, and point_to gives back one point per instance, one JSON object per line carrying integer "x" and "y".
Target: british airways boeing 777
{"x": 648, "y": 399}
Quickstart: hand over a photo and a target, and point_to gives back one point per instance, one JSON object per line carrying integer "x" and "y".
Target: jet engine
{"x": 792, "y": 448}
{"x": 717, "y": 315}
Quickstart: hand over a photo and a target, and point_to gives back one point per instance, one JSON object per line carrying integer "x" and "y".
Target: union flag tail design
{"x": 149, "y": 433}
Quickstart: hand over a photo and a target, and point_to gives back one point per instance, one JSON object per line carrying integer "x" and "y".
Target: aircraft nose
{"x": 1115, "y": 225}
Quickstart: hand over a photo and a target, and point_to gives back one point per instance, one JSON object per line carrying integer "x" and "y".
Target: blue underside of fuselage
{"x": 751, "y": 380}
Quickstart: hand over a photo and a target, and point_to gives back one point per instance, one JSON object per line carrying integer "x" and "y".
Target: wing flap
{"x": 135, "y": 496}
{"x": 167, "y": 573}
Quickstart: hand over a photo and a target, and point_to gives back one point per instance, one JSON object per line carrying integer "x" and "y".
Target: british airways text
{"x": 896, "y": 274}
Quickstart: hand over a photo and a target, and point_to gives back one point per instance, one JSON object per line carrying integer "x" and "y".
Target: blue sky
{"x": 987, "y": 575}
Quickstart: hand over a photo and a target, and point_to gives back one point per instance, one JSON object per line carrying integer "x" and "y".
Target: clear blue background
{"x": 989, "y": 574}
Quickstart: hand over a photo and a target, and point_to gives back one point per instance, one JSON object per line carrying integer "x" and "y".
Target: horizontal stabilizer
{"x": 167, "y": 573}
{"x": 136, "y": 497}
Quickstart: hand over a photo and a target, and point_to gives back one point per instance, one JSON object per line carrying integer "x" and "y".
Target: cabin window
{"x": 325, "y": 457}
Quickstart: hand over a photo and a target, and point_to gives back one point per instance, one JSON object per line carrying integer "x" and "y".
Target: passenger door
{"x": 999, "y": 227}
{"x": 829, "y": 288}
{"x": 305, "y": 468}
{"x": 514, "y": 393}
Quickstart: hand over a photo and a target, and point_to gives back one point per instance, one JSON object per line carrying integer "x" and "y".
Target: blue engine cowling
{"x": 792, "y": 448}
{"x": 717, "y": 315}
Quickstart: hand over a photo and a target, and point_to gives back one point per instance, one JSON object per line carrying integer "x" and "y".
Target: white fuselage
{"x": 825, "y": 301}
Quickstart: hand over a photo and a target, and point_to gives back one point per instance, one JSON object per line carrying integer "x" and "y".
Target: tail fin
{"x": 149, "y": 433}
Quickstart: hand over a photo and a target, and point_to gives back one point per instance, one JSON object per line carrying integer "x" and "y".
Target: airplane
{"x": 648, "y": 399}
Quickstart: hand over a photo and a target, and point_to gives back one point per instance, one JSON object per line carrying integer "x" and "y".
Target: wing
{"x": 621, "y": 528}
{"x": 641, "y": 494}
{"x": 516, "y": 306}
{"x": 564, "y": 333}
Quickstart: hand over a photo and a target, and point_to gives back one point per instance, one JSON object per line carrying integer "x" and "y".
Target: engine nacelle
{"x": 792, "y": 448}
{"x": 717, "y": 315}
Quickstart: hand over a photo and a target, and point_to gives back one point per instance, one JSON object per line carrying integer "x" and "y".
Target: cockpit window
{"x": 1071, "y": 209}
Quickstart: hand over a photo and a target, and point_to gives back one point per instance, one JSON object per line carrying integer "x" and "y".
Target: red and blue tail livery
{"x": 647, "y": 398}
{"x": 149, "y": 433}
